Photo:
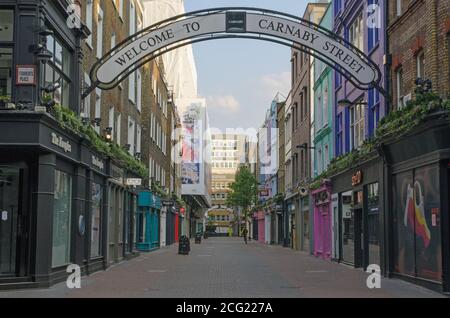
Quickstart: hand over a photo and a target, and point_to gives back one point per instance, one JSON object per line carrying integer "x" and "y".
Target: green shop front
{"x": 148, "y": 221}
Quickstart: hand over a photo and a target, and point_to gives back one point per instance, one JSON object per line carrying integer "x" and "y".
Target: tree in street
{"x": 243, "y": 194}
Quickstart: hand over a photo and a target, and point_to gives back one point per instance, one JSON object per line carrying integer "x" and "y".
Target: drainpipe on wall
{"x": 387, "y": 214}
{"x": 387, "y": 64}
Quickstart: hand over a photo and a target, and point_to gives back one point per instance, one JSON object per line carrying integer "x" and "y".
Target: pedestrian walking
{"x": 245, "y": 235}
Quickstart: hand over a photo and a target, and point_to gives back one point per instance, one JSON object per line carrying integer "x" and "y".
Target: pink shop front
{"x": 322, "y": 221}
{"x": 259, "y": 226}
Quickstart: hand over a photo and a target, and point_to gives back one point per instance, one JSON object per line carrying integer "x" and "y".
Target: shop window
{"x": 373, "y": 222}
{"x": 348, "y": 240}
{"x": 58, "y": 70}
{"x": 62, "y": 213}
{"x": 417, "y": 236}
{"x": 97, "y": 201}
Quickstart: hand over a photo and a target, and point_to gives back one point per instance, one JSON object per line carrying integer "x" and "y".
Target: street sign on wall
{"x": 251, "y": 23}
{"x": 133, "y": 182}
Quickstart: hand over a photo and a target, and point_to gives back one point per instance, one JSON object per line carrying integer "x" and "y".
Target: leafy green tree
{"x": 243, "y": 194}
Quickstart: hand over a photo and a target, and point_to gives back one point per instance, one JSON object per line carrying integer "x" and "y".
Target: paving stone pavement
{"x": 227, "y": 268}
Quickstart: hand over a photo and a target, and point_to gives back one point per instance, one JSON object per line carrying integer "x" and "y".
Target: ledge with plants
{"x": 156, "y": 188}
{"x": 395, "y": 125}
{"x": 70, "y": 121}
{"x": 178, "y": 200}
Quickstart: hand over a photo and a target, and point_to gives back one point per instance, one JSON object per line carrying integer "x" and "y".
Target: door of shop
{"x": 359, "y": 237}
{"x": 10, "y": 221}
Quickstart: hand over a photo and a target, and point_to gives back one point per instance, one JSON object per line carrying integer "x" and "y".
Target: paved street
{"x": 225, "y": 267}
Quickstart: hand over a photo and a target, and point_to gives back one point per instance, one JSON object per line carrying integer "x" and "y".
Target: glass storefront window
{"x": 373, "y": 220}
{"x": 97, "y": 200}
{"x": 140, "y": 227}
{"x": 348, "y": 240}
{"x": 62, "y": 210}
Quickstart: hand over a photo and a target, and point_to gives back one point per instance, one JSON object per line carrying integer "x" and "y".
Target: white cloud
{"x": 276, "y": 83}
{"x": 224, "y": 103}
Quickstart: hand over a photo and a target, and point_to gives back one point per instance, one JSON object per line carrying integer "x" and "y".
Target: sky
{"x": 238, "y": 77}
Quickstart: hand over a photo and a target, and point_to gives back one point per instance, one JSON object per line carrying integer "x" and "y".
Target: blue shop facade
{"x": 148, "y": 221}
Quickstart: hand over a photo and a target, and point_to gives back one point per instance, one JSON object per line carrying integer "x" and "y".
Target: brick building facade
{"x": 419, "y": 46}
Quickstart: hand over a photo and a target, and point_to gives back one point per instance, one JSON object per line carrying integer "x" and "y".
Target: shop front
{"x": 304, "y": 223}
{"x": 260, "y": 217}
{"x": 148, "y": 222}
{"x": 322, "y": 221}
{"x": 171, "y": 215}
{"x": 121, "y": 216}
{"x": 419, "y": 172}
{"x": 267, "y": 225}
{"x": 255, "y": 227}
{"x": 52, "y": 201}
{"x": 357, "y": 215}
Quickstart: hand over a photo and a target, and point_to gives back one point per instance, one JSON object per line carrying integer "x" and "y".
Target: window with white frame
{"x": 113, "y": 41}
{"x": 118, "y": 129}
{"x": 99, "y": 32}
{"x": 89, "y": 19}
{"x": 120, "y": 4}
{"x": 132, "y": 18}
{"x": 111, "y": 121}
{"x": 132, "y": 87}
{"x": 356, "y": 32}
{"x": 399, "y": 7}
{"x": 131, "y": 134}
{"x": 138, "y": 138}
{"x": 86, "y": 111}
{"x": 399, "y": 87}
{"x": 139, "y": 90}
{"x": 357, "y": 128}
{"x": 420, "y": 64}
{"x": 98, "y": 104}
{"x": 325, "y": 103}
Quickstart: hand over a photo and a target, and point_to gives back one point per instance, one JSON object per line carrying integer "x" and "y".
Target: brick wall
{"x": 422, "y": 27}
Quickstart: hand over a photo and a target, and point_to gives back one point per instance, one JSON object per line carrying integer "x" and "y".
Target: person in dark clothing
{"x": 245, "y": 235}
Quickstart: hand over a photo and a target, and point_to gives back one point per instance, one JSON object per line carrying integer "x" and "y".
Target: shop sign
{"x": 236, "y": 22}
{"x": 357, "y": 178}
{"x": 123, "y": 58}
{"x": 264, "y": 193}
{"x": 98, "y": 163}
{"x": 58, "y": 141}
{"x": 133, "y": 182}
{"x": 26, "y": 75}
{"x": 167, "y": 203}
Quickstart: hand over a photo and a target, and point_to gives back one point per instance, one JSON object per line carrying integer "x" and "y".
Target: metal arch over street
{"x": 234, "y": 22}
